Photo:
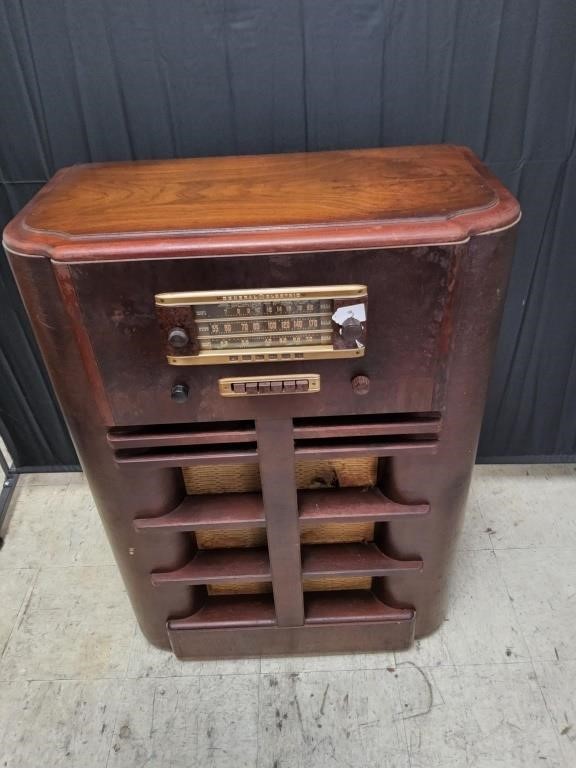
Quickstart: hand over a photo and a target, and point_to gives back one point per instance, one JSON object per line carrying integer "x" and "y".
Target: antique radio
{"x": 274, "y": 370}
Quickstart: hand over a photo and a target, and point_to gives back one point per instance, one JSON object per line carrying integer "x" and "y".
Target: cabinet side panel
{"x": 119, "y": 499}
{"x": 443, "y": 479}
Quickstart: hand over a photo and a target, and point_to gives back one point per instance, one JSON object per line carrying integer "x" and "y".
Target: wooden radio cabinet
{"x": 274, "y": 371}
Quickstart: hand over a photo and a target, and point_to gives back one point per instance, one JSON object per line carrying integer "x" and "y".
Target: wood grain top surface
{"x": 263, "y": 202}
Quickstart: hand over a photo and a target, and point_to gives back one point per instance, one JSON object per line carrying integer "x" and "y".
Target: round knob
{"x": 351, "y": 330}
{"x": 361, "y": 385}
{"x": 178, "y": 338}
{"x": 179, "y": 393}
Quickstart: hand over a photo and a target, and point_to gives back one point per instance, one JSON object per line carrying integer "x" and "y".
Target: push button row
{"x": 274, "y": 387}
{"x": 305, "y": 383}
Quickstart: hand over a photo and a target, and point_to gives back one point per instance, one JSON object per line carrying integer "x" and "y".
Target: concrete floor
{"x": 495, "y": 687}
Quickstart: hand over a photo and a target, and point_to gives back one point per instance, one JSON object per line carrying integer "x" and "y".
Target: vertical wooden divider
{"x": 277, "y": 474}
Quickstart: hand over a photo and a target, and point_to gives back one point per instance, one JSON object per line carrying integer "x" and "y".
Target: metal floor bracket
{"x": 8, "y": 487}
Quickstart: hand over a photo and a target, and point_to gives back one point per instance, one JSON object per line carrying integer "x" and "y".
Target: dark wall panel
{"x": 30, "y": 421}
{"x": 84, "y": 81}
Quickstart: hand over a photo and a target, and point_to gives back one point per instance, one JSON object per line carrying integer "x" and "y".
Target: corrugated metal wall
{"x": 88, "y": 81}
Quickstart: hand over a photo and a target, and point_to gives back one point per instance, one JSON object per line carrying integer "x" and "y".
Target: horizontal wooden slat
{"x": 353, "y": 505}
{"x": 157, "y": 439}
{"x": 369, "y": 448}
{"x": 304, "y": 429}
{"x": 242, "y": 588}
{"x": 237, "y": 510}
{"x": 226, "y": 510}
{"x": 249, "y": 454}
{"x": 351, "y": 560}
{"x": 364, "y": 428}
{"x": 227, "y": 612}
{"x": 188, "y": 458}
{"x": 321, "y": 608}
{"x": 353, "y": 606}
{"x": 219, "y": 566}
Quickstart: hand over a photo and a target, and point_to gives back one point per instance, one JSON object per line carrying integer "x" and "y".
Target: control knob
{"x": 180, "y": 393}
{"x": 178, "y": 338}
{"x": 360, "y": 385}
{"x": 351, "y": 330}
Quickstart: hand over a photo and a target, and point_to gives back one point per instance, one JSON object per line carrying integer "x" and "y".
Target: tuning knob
{"x": 178, "y": 338}
{"x": 351, "y": 330}
{"x": 361, "y": 385}
{"x": 180, "y": 393}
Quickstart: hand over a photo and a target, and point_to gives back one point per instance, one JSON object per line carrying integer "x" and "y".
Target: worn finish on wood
{"x": 221, "y": 511}
{"x": 352, "y": 560}
{"x": 343, "y": 450}
{"x": 122, "y": 439}
{"x": 360, "y": 504}
{"x": 356, "y": 427}
{"x": 356, "y": 622}
{"x": 219, "y": 567}
{"x": 278, "y": 477}
{"x": 126, "y": 439}
{"x": 128, "y": 347}
{"x": 334, "y": 200}
{"x": 186, "y": 458}
{"x": 429, "y": 231}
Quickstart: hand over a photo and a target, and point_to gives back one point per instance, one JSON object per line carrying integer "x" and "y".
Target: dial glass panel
{"x": 261, "y": 324}
{"x": 306, "y": 322}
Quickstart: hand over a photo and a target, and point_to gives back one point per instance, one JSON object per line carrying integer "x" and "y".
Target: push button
{"x": 251, "y": 388}
{"x": 239, "y": 387}
{"x": 276, "y": 387}
{"x": 289, "y": 385}
{"x": 302, "y": 385}
{"x": 264, "y": 387}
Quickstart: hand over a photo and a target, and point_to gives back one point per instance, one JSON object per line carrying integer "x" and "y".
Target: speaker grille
{"x": 245, "y": 478}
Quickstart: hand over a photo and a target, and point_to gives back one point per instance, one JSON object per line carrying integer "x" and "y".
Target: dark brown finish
{"x": 126, "y": 438}
{"x": 351, "y": 560}
{"x": 246, "y": 510}
{"x": 359, "y": 607}
{"x": 376, "y": 448}
{"x": 187, "y": 458}
{"x": 127, "y": 346}
{"x": 235, "y": 510}
{"x": 367, "y": 426}
{"x": 226, "y": 612}
{"x": 429, "y": 231}
{"x": 278, "y": 478}
{"x": 361, "y": 385}
{"x": 358, "y": 504}
{"x": 219, "y": 567}
{"x": 329, "y": 635}
{"x": 356, "y": 622}
{"x": 245, "y": 432}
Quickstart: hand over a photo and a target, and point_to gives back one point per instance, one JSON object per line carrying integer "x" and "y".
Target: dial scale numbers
{"x": 263, "y": 324}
